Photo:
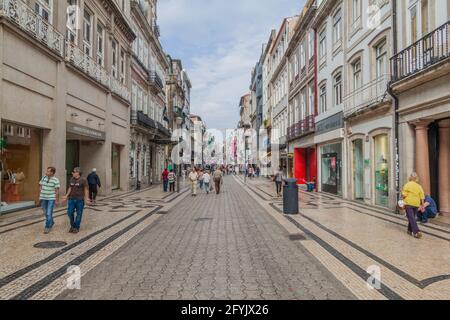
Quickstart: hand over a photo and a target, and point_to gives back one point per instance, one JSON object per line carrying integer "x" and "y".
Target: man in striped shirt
{"x": 49, "y": 196}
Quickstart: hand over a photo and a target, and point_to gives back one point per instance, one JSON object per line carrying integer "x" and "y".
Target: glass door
{"x": 358, "y": 170}
{"x": 330, "y": 173}
{"x": 115, "y": 166}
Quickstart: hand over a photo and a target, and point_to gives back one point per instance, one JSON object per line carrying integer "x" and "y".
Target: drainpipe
{"x": 396, "y": 101}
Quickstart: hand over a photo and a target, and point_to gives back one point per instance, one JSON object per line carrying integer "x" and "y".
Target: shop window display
{"x": 331, "y": 175}
{"x": 381, "y": 170}
{"x": 20, "y": 165}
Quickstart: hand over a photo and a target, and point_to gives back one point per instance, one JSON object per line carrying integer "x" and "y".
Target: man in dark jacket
{"x": 94, "y": 182}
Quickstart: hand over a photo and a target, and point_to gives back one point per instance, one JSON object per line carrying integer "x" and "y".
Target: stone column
{"x": 444, "y": 172}
{"x": 422, "y": 156}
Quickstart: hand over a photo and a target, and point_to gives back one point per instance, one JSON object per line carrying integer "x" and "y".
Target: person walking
{"x": 413, "y": 197}
{"x": 49, "y": 197}
{"x": 94, "y": 183}
{"x": 217, "y": 177}
{"x": 77, "y": 196}
{"x": 165, "y": 178}
{"x": 200, "y": 179}
{"x": 172, "y": 179}
{"x": 193, "y": 178}
{"x": 278, "y": 179}
{"x": 207, "y": 181}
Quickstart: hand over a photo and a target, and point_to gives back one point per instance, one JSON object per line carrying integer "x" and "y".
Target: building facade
{"x": 149, "y": 124}
{"x": 421, "y": 83}
{"x": 64, "y": 85}
{"x": 300, "y": 56}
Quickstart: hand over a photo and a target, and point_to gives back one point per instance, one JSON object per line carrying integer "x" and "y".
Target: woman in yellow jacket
{"x": 414, "y": 197}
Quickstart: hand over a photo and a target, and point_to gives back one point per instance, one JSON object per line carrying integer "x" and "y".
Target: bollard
{"x": 290, "y": 197}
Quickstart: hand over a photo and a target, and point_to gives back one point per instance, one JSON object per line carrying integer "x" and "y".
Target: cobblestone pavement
{"x": 212, "y": 247}
{"x": 351, "y": 238}
{"x": 29, "y": 271}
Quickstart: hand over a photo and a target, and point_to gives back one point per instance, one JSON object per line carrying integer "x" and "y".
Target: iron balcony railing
{"x": 430, "y": 50}
{"x": 28, "y": 20}
{"x": 155, "y": 79}
{"x": 370, "y": 94}
{"x": 301, "y": 128}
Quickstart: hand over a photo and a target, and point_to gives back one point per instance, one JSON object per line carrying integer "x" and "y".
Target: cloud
{"x": 219, "y": 42}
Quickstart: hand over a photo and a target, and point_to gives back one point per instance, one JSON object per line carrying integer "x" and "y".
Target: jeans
{"x": 207, "y": 187}
{"x": 200, "y": 184}
{"x": 278, "y": 184}
{"x": 165, "y": 185}
{"x": 47, "y": 206}
{"x": 426, "y": 215}
{"x": 172, "y": 186}
{"x": 411, "y": 213}
{"x": 73, "y": 205}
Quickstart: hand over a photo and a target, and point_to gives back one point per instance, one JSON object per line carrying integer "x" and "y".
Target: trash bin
{"x": 290, "y": 196}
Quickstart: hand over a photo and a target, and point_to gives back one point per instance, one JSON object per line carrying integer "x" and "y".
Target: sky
{"x": 219, "y": 42}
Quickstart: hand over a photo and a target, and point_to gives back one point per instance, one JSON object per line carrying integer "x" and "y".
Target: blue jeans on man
{"x": 72, "y": 206}
{"x": 48, "y": 206}
{"x": 424, "y": 216}
{"x": 165, "y": 185}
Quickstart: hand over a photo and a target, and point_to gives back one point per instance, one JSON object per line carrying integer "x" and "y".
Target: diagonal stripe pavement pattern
{"x": 212, "y": 246}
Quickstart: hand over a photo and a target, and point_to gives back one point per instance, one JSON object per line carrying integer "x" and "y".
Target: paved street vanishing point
{"x": 152, "y": 245}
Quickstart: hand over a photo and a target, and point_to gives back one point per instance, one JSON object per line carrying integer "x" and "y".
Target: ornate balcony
{"x": 121, "y": 90}
{"x": 155, "y": 79}
{"x": 370, "y": 95}
{"x": 88, "y": 65}
{"x": 428, "y": 51}
{"x": 301, "y": 128}
{"x": 26, "y": 19}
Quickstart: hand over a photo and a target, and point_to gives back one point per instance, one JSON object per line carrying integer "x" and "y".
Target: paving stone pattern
{"x": 212, "y": 247}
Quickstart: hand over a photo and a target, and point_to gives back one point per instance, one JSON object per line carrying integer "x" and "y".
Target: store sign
{"x": 329, "y": 124}
{"x": 85, "y": 131}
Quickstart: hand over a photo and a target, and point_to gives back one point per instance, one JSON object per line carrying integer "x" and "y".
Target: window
{"x": 296, "y": 64}
{"x": 44, "y": 9}
{"x": 357, "y": 77}
{"x": 337, "y": 26}
{"x": 139, "y": 99}
{"x": 141, "y": 49}
{"x": 311, "y": 44}
{"x": 114, "y": 59}
{"x": 134, "y": 97}
{"x": 122, "y": 66}
{"x": 145, "y": 57}
{"x": 413, "y": 14}
{"x": 302, "y": 56}
{"x": 323, "y": 98}
{"x": 297, "y": 111}
{"x": 72, "y": 19}
{"x": 145, "y": 104}
{"x": 303, "y": 105}
{"x": 356, "y": 13}
{"x": 8, "y": 130}
{"x": 100, "y": 44}
{"x": 337, "y": 92}
{"x": 381, "y": 59}
{"x": 311, "y": 98}
{"x": 323, "y": 43}
{"x": 87, "y": 32}
{"x": 21, "y": 132}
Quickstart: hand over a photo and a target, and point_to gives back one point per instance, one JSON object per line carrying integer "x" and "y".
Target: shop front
{"x": 331, "y": 168}
{"x": 305, "y": 165}
{"x": 381, "y": 167}
{"x": 20, "y": 166}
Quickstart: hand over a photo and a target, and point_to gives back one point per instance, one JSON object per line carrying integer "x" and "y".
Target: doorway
{"x": 115, "y": 166}
{"x": 358, "y": 170}
{"x": 72, "y": 158}
{"x": 330, "y": 173}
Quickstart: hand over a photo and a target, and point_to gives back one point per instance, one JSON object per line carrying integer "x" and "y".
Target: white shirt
{"x": 206, "y": 178}
{"x": 193, "y": 176}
